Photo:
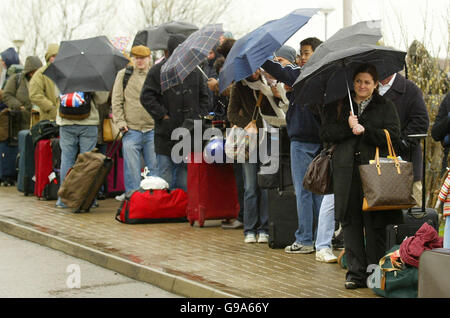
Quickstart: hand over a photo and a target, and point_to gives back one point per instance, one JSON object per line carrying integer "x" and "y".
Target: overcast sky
{"x": 402, "y": 20}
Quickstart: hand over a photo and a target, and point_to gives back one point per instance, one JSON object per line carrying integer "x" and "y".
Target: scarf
{"x": 262, "y": 87}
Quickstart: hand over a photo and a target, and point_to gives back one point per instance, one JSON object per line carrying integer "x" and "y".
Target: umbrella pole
{"x": 349, "y": 97}
{"x": 204, "y": 74}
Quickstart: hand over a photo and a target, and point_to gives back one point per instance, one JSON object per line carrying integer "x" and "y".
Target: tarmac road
{"x": 29, "y": 270}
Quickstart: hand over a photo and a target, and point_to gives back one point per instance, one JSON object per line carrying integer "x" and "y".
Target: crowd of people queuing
{"x": 146, "y": 116}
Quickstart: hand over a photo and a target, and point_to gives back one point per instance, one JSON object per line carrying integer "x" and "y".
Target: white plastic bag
{"x": 152, "y": 183}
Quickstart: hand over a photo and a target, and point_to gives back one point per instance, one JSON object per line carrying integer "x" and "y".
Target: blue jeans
{"x": 308, "y": 204}
{"x": 72, "y": 139}
{"x": 256, "y": 213}
{"x": 447, "y": 232}
{"x": 137, "y": 144}
{"x": 175, "y": 174}
{"x": 325, "y": 228}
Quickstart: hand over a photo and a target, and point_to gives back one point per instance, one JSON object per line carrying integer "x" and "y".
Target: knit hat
{"x": 10, "y": 57}
{"x": 140, "y": 51}
{"x": 286, "y": 52}
{"x": 52, "y": 50}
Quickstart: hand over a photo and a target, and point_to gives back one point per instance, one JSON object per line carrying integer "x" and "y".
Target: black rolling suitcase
{"x": 415, "y": 217}
{"x": 283, "y": 220}
{"x": 25, "y": 163}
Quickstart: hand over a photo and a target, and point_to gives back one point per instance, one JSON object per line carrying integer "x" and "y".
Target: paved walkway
{"x": 188, "y": 261}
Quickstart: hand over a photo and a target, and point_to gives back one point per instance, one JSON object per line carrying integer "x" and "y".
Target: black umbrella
{"x": 86, "y": 65}
{"x": 156, "y": 37}
{"x": 325, "y": 77}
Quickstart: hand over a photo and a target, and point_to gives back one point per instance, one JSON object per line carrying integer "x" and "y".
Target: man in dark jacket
{"x": 414, "y": 119}
{"x": 169, "y": 109}
{"x": 303, "y": 131}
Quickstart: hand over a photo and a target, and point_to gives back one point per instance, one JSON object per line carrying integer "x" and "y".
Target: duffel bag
{"x": 398, "y": 280}
{"x": 153, "y": 206}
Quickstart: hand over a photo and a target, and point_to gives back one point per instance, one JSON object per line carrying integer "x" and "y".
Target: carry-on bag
{"x": 283, "y": 220}
{"x": 115, "y": 182}
{"x": 25, "y": 163}
{"x": 44, "y": 129}
{"x": 43, "y": 165}
{"x": 415, "y": 217}
{"x": 153, "y": 206}
{"x": 212, "y": 192}
{"x": 434, "y": 281}
{"x": 8, "y": 155}
{"x": 84, "y": 180}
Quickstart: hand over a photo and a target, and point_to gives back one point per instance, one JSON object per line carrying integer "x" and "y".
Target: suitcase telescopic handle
{"x": 424, "y": 137}
{"x": 115, "y": 146}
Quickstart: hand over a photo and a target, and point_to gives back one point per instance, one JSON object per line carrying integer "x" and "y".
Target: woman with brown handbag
{"x": 357, "y": 135}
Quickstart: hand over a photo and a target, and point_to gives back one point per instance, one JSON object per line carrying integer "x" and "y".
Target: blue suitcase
{"x": 8, "y": 155}
{"x": 25, "y": 160}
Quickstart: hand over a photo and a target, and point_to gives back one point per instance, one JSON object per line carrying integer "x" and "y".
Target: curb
{"x": 175, "y": 284}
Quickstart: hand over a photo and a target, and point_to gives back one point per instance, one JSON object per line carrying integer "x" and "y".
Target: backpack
{"x": 44, "y": 129}
{"x": 75, "y": 106}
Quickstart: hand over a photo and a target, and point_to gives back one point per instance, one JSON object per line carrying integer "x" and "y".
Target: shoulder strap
{"x": 128, "y": 72}
{"x": 18, "y": 79}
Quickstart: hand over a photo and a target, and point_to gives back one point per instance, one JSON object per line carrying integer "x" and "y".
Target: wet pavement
{"x": 183, "y": 259}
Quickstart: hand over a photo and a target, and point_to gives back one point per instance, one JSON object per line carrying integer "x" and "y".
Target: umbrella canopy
{"x": 252, "y": 50}
{"x": 86, "y": 65}
{"x": 156, "y": 37}
{"x": 325, "y": 77}
{"x": 188, "y": 55}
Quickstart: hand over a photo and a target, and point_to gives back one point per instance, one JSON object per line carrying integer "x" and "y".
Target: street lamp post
{"x": 326, "y": 12}
{"x": 18, "y": 44}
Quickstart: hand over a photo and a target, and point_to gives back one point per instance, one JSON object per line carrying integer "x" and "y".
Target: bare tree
{"x": 40, "y": 22}
{"x": 198, "y": 12}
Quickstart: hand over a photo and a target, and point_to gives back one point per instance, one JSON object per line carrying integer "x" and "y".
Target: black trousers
{"x": 364, "y": 243}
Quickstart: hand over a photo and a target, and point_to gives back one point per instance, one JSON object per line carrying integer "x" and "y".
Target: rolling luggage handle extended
{"x": 424, "y": 137}
{"x": 115, "y": 146}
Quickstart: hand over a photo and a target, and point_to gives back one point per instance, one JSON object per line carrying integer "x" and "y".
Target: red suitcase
{"x": 212, "y": 192}
{"x": 43, "y": 166}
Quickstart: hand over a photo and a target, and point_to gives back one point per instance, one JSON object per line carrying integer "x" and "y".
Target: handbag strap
{"x": 392, "y": 154}
{"x": 258, "y": 105}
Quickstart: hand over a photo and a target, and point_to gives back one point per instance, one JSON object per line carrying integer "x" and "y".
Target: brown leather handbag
{"x": 387, "y": 185}
{"x": 318, "y": 177}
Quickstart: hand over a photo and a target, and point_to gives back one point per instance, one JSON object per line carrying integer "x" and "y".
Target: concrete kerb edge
{"x": 169, "y": 282}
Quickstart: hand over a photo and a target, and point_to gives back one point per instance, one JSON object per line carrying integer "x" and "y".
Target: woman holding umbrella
{"x": 357, "y": 134}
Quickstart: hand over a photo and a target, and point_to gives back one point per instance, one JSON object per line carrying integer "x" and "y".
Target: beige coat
{"x": 45, "y": 94}
{"x": 126, "y": 106}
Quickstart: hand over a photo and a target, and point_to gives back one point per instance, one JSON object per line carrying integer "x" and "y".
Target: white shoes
{"x": 251, "y": 238}
{"x": 326, "y": 255}
{"x": 263, "y": 238}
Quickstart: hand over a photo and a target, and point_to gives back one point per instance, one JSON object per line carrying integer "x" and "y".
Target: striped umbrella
{"x": 188, "y": 55}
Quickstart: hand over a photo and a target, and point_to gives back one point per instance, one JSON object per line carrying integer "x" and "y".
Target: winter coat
{"x": 188, "y": 100}
{"x": 378, "y": 115}
{"x": 414, "y": 119}
{"x": 242, "y": 106}
{"x": 126, "y": 105}
{"x": 45, "y": 94}
{"x": 302, "y": 125}
{"x": 16, "y": 94}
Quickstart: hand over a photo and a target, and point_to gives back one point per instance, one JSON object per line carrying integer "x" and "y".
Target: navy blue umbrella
{"x": 252, "y": 50}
